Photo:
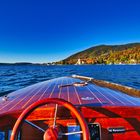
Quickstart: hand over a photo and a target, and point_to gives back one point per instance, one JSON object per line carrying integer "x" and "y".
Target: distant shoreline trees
{"x": 122, "y": 54}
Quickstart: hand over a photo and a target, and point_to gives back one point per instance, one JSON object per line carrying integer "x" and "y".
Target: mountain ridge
{"x": 107, "y": 54}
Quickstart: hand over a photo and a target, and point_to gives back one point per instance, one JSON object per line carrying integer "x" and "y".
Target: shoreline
{"x": 40, "y": 64}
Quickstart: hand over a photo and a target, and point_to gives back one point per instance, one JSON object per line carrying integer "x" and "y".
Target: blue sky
{"x": 50, "y": 30}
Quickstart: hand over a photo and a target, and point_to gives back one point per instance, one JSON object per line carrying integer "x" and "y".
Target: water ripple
{"x": 15, "y": 77}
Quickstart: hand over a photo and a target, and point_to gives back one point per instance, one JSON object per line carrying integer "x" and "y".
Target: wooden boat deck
{"x": 90, "y": 95}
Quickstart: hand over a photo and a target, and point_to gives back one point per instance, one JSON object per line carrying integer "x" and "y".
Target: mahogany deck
{"x": 90, "y": 95}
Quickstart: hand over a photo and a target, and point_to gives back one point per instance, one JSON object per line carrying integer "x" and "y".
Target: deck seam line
{"x": 33, "y": 96}
{"x": 45, "y": 91}
{"x": 77, "y": 94}
{"x": 102, "y": 95}
{"x": 22, "y": 99}
{"x": 68, "y": 91}
{"x": 94, "y": 95}
{"x": 114, "y": 96}
{"x": 123, "y": 97}
{"x": 53, "y": 89}
{"x": 59, "y": 94}
{"x": 31, "y": 90}
{"x": 7, "y": 103}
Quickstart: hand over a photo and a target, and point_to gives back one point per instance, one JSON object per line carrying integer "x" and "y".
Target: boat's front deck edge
{"x": 125, "y": 89}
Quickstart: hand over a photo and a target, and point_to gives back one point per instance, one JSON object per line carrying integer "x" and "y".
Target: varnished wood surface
{"x": 89, "y": 95}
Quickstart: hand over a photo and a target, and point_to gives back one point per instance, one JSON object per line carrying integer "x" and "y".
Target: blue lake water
{"x": 15, "y": 77}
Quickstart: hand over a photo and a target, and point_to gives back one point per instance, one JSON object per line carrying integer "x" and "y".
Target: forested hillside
{"x": 107, "y": 54}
